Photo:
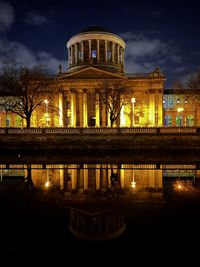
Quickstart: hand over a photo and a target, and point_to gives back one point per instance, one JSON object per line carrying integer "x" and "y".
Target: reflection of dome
{"x": 98, "y": 47}
{"x": 96, "y": 226}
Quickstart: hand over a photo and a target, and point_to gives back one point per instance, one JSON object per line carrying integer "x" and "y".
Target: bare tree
{"x": 25, "y": 88}
{"x": 112, "y": 97}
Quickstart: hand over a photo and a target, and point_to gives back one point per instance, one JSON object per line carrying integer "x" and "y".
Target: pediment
{"x": 91, "y": 73}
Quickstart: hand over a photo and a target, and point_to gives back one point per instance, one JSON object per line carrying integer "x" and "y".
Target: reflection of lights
{"x": 179, "y": 186}
{"x": 47, "y": 184}
{"x": 183, "y": 186}
{"x": 133, "y": 184}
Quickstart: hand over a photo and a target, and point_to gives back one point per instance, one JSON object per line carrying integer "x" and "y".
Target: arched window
{"x": 7, "y": 122}
{"x": 179, "y": 121}
{"x": 168, "y": 120}
{"x": 190, "y": 120}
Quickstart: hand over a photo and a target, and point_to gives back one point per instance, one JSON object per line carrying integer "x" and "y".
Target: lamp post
{"x": 46, "y": 101}
{"x": 133, "y": 111}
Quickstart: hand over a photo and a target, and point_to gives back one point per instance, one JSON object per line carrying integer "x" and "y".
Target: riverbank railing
{"x": 102, "y": 131}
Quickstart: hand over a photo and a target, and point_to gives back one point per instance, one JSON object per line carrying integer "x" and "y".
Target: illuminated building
{"x": 96, "y": 65}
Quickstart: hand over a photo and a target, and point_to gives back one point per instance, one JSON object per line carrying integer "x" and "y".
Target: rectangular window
{"x": 171, "y": 101}
{"x": 109, "y": 55}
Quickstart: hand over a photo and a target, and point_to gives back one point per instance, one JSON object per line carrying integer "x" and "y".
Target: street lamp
{"x": 133, "y": 110}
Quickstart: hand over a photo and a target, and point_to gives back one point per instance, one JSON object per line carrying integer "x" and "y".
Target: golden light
{"x": 46, "y": 101}
{"x": 133, "y": 100}
{"x": 47, "y": 184}
{"x": 133, "y": 184}
{"x": 179, "y": 186}
{"x": 180, "y": 109}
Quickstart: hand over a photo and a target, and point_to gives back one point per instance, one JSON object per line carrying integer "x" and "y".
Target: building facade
{"x": 95, "y": 68}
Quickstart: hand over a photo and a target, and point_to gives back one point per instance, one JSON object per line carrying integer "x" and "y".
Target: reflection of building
{"x": 91, "y": 178}
{"x": 96, "y": 226}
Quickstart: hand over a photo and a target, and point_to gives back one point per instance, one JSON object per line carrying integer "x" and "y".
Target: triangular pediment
{"x": 91, "y": 73}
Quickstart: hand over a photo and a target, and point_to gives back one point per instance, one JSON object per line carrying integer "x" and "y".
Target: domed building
{"x": 95, "y": 91}
{"x": 95, "y": 80}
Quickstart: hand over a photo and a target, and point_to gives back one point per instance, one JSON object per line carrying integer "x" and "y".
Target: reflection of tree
{"x": 29, "y": 186}
{"x": 115, "y": 186}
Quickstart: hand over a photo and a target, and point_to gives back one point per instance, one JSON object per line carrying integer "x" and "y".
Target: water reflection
{"x": 100, "y": 198}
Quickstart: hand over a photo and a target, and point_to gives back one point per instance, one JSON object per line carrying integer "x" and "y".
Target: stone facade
{"x": 95, "y": 66}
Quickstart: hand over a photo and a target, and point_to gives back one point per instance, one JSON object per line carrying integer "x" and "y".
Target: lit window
{"x": 178, "y": 101}
{"x": 94, "y": 53}
{"x": 171, "y": 101}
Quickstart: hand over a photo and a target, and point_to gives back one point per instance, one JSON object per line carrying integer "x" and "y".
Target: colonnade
{"x": 97, "y": 51}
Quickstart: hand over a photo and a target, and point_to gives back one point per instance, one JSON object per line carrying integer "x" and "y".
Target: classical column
{"x": 122, "y": 116}
{"x": 90, "y": 51}
{"x": 152, "y": 108}
{"x": 73, "y": 108}
{"x": 82, "y": 50}
{"x": 69, "y": 57}
{"x": 97, "y": 111}
{"x": 76, "y": 52}
{"x": 108, "y": 118}
{"x": 73, "y": 59}
{"x": 103, "y": 114}
{"x": 62, "y": 181}
{"x": 159, "y": 105}
{"x": 60, "y": 106}
{"x": 106, "y": 51}
{"x": 133, "y": 111}
{"x": 85, "y": 177}
{"x": 122, "y": 176}
{"x": 117, "y": 54}
{"x": 85, "y": 112}
{"x": 98, "y": 176}
{"x": 123, "y": 56}
{"x": 74, "y": 176}
{"x": 113, "y": 52}
{"x": 97, "y": 50}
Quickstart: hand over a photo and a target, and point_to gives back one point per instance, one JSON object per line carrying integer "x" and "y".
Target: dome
{"x": 95, "y": 29}
{"x": 98, "y": 47}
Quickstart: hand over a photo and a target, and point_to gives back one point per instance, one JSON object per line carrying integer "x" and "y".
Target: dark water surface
{"x": 107, "y": 211}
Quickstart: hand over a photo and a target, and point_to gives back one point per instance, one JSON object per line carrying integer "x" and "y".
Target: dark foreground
{"x": 34, "y": 226}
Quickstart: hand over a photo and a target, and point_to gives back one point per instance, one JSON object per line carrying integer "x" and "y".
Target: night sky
{"x": 157, "y": 33}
